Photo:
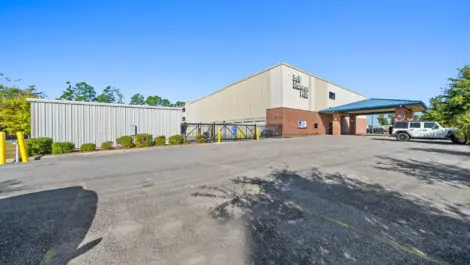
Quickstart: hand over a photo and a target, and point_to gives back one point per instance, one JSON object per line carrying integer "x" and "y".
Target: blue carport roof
{"x": 375, "y": 104}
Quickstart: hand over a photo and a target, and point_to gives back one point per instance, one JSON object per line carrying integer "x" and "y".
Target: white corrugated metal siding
{"x": 82, "y": 122}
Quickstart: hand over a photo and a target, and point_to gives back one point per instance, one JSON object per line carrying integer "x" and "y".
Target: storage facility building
{"x": 282, "y": 96}
{"x": 90, "y": 122}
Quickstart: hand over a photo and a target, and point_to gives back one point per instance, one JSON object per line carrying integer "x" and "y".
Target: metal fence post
{"x": 255, "y": 132}
{"x": 213, "y": 132}
{"x": 17, "y": 155}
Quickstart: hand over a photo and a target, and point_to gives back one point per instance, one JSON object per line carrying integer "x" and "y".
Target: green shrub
{"x": 186, "y": 141}
{"x": 125, "y": 141}
{"x": 200, "y": 138}
{"x": 175, "y": 139}
{"x": 160, "y": 140}
{"x": 118, "y": 141}
{"x": 107, "y": 145}
{"x": 39, "y": 146}
{"x": 62, "y": 148}
{"x": 143, "y": 140}
{"x": 87, "y": 147}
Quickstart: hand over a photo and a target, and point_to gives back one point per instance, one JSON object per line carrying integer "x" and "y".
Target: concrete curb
{"x": 119, "y": 151}
{"x": 107, "y": 152}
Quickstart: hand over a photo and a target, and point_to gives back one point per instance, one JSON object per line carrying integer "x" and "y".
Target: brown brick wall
{"x": 288, "y": 118}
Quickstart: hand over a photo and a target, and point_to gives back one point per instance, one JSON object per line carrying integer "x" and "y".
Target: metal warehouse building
{"x": 88, "y": 122}
{"x": 282, "y": 96}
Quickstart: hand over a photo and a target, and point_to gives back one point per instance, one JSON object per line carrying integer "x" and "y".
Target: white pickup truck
{"x": 406, "y": 130}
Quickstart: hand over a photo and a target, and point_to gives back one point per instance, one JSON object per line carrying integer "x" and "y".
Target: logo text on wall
{"x": 303, "y": 90}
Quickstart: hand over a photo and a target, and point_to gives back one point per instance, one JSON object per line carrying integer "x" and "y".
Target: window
{"x": 401, "y": 125}
{"x": 315, "y": 125}
{"x": 430, "y": 125}
{"x": 332, "y": 95}
{"x": 415, "y": 125}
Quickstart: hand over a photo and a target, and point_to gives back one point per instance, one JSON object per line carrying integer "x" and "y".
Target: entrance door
{"x": 344, "y": 125}
{"x": 330, "y": 128}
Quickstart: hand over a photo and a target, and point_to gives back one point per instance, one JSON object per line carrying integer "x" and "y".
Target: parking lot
{"x": 309, "y": 200}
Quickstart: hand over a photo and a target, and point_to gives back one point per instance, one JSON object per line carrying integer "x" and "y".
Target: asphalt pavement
{"x": 309, "y": 200}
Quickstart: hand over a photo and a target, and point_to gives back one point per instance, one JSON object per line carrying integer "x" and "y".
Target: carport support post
{"x": 403, "y": 114}
{"x": 336, "y": 123}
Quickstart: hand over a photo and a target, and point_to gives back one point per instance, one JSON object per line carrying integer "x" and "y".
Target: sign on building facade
{"x": 296, "y": 84}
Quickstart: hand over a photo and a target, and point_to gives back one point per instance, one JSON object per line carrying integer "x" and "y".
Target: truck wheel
{"x": 459, "y": 139}
{"x": 403, "y": 137}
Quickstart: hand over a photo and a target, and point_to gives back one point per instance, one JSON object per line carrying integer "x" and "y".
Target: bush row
{"x": 87, "y": 147}
{"x": 39, "y": 146}
{"x": 62, "y": 148}
{"x": 145, "y": 140}
{"x": 44, "y": 145}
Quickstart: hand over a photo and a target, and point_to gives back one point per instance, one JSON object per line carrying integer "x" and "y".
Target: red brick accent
{"x": 289, "y": 118}
{"x": 336, "y": 123}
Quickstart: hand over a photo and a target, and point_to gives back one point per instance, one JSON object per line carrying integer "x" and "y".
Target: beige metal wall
{"x": 291, "y": 97}
{"x": 342, "y": 96}
{"x": 246, "y": 100}
{"x": 318, "y": 91}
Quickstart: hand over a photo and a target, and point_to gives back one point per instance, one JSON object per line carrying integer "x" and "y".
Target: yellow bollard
{"x": 257, "y": 133}
{"x": 218, "y": 135}
{"x": 24, "y": 155}
{"x": 3, "y": 148}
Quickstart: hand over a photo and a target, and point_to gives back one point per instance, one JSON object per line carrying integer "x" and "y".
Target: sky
{"x": 183, "y": 50}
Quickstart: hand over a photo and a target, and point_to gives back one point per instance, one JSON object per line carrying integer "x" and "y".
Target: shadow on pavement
{"x": 428, "y": 171}
{"x": 443, "y": 151}
{"x": 10, "y": 185}
{"x": 46, "y": 227}
{"x": 331, "y": 219}
{"x": 392, "y": 139}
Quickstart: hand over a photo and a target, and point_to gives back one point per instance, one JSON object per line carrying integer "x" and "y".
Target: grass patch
{"x": 11, "y": 151}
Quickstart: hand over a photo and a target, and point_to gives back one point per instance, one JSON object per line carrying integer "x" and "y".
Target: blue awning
{"x": 379, "y": 105}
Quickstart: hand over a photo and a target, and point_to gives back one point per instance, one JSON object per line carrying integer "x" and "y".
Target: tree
{"x": 416, "y": 117}
{"x": 462, "y": 122}
{"x": 178, "y": 104}
{"x": 165, "y": 103}
{"x": 79, "y": 92}
{"x": 153, "y": 101}
{"x": 392, "y": 118}
{"x": 137, "y": 99}
{"x": 15, "y": 113}
{"x": 382, "y": 120}
{"x": 110, "y": 95}
{"x": 453, "y": 100}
